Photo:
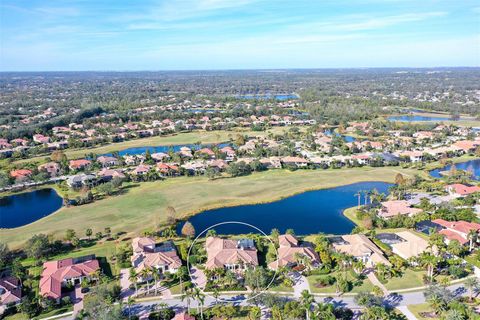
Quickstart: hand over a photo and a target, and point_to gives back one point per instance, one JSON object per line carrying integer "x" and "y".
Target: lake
{"x": 23, "y": 208}
{"x": 346, "y": 138}
{"x": 413, "y": 118}
{"x": 472, "y": 165}
{"x": 306, "y": 213}
{"x": 164, "y": 149}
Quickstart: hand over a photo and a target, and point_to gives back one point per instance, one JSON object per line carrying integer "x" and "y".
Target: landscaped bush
{"x": 324, "y": 281}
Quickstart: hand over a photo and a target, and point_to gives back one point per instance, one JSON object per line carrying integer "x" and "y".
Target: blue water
{"x": 306, "y": 213}
{"x": 164, "y": 149}
{"x": 412, "y": 118}
{"x": 280, "y": 97}
{"x": 23, "y": 208}
{"x": 346, "y": 138}
{"x": 472, "y": 165}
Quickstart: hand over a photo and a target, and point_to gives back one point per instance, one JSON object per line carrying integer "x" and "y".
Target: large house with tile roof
{"x": 10, "y": 293}
{"x": 290, "y": 250}
{"x": 457, "y": 230}
{"x": 58, "y": 274}
{"x": 360, "y": 248}
{"x": 149, "y": 254}
{"x": 234, "y": 255}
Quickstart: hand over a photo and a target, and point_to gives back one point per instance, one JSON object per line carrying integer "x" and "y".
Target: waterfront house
{"x": 297, "y": 162}
{"x": 52, "y": 168}
{"x": 80, "y": 180}
{"x": 234, "y": 255}
{"x": 406, "y": 244}
{"x": 21, "y": 175}
{"x": 395, "y": 208}
{"x": 461, "y": 190}
{"x": 107, "y": 174}
{"x": 149, "y": 254}
{"x": 10, "y": 293}
{"x": 293, "y": 253}
{"x": 79, "y": 164}
{"x": 108, "y": 161}
{"x": 360, "y": 248}
{"x": 71, "y": 271}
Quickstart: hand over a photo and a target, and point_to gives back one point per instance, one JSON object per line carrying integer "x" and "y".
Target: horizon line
{"x": 237, "y": 69}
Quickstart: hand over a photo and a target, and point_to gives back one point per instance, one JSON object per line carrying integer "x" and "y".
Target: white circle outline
{"x": 232, "y": 222}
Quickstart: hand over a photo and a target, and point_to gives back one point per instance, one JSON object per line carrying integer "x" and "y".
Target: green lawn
{"x": 365, "y": 286}
{"x": 145, "y": 204}
{"x": 409, "y": 279}
{"x": 473, "y": 260}
{"x": 281, "y": 288}
{"x": 22, "y": 316}
{"x": 416, "y": 309}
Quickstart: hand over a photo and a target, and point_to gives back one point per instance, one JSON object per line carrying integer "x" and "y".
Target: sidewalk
{"x": 407, "y": 313}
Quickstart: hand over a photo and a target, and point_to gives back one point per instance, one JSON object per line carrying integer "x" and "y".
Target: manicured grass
{"x": 365, "y": 286}
{"x": 22, "y": 316}
{"x": 416, "y": 309}
{"x": 145, "y": 204}
{"x": 204, "y": 137}
{"x": 409, "y": 279}
{"x": 473, "y": 260}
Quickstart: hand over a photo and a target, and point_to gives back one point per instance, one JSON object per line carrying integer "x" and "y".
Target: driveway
{"x": 125, "y": 284}
{"x": 77, "y": 299}
{"x": 300, "y": 284}
{"x": 407, "y": 313}
{"x": 198, "y": 277}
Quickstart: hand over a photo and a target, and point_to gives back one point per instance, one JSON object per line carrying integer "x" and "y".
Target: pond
{"x": 164, "y": 149}
{"x": 20, "y": 209}
{"x": 345, "y": 137}
{"x": 307, "y": 213}
{"x": 472, "y": 165}
{"x": 413, "y": 118}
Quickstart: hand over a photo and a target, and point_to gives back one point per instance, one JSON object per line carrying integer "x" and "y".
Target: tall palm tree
{"x": 306, "y": 300}
{"x": 437, "y": 303}
{"x": 188, "y": 296}
{"x": 200, "y": 297}
{"x": 133, "y": 278}
{"x": 472, "y": 237}
{"x": 156, "y": 277}
{"x": 145, "y": 274}
{"x": 130, "y": 303}
{"x": 181, "y": 273}
{"x": 430, "y": 262}
{"x": 472, "y": 284}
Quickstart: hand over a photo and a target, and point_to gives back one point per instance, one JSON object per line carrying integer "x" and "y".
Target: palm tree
{"x": 145, "y": 274}
{"x": 156, "y": 277}
{"x": 472, "y": 236}
{"x": 430, "y": 262}
{"x": 181, "y": 273}
{"x": 130, "y": 303}
{"x": 132, "y": 277}
{"x": 255, "y": 313}
{"x": 187, "y": 295}
{"x": 306, "y": 300}
{"x": 358, "y": 195}
{"x": 200, "y": 297}
{"x": 437, "y": 303}
{"x": 216, "y": 294}
{"x": 472, "y": 284}
{"x": 358, "y": 266}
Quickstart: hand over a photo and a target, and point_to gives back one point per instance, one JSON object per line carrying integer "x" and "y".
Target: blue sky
{"x": 237, "y": 34}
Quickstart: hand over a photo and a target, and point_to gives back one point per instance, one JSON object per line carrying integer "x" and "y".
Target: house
{"x": 295, "y": 161}
{"x": 149, "y": 254}
{"x": 229, "y": 153}
{"x": 361, "y": 248}
{"x": 457, "y": 230}
{"x": 10, "y": 293}
{"x": 413, "y": 156}
{"x": 183, "y": 316}
{"x": 159, "y": 156}
{"x": 461, "y": 190}
{"x": 205, "y": 152}
{"x": 79, "y": 164}
{"x": 141, "y": 170}
{"x": 395, "y": 208}
{"x": 290, "y": 249}
{"x": 40, "y": 138}
{"x": 107, "y": 174}
{"x": 234, "y": 255}
{"x": 167, "y": 169}
{"x": 80, "y": 180}
{"x": 107, "y": 161}
{"x": 21, "y": 174}
{"x": 52, "y": 168}
{"x": 406, "y": 244}
{"x": 60, "y": 273}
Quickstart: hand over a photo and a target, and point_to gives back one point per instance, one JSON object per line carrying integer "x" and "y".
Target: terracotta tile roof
{"x": 55, "y": 272}
{"x": 397, "y": 207}
{"x": 462, "y": 189}
{"x": 223, "y": 251}
{"x": 288, "y": 250}
{"x": 20, "y": 173}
